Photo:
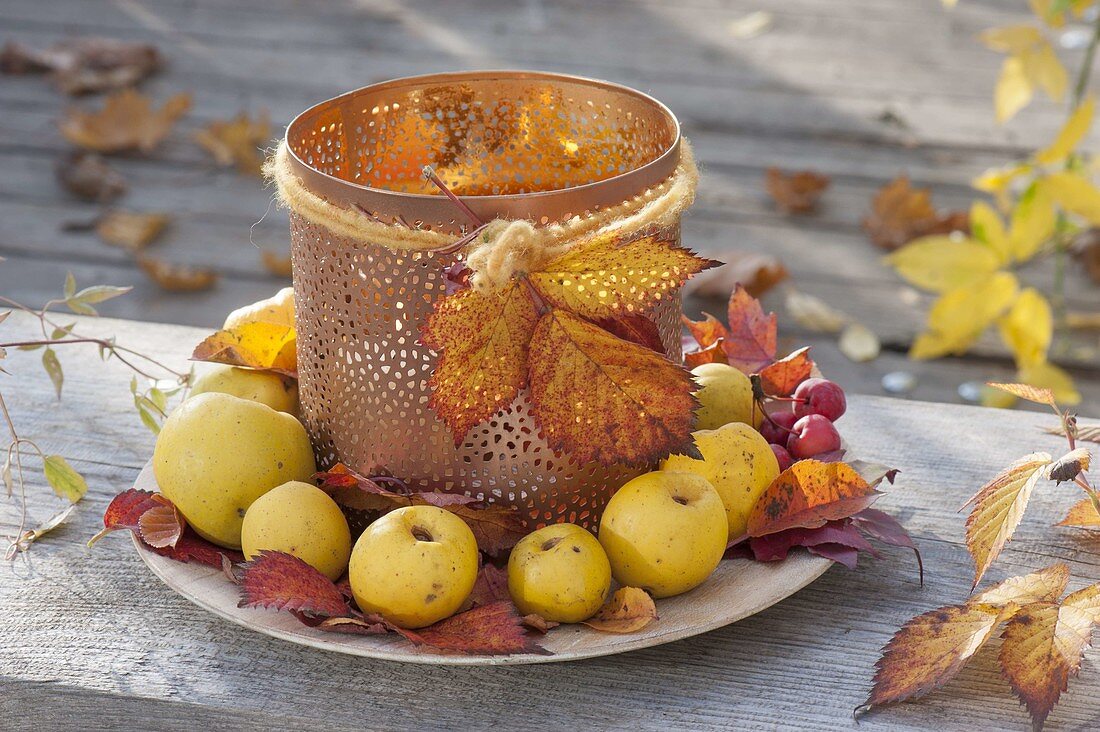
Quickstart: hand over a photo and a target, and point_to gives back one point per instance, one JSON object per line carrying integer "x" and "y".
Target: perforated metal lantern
{"x": 543, "y": 147}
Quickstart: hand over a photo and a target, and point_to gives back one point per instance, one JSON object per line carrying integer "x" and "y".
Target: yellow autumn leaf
{"x": 1033, "y": 222}
{"x": 1045, "y": 70}
{"x": 1053, "y": 12}
{"x": 1013, "y": 91}
{"x": 958, "y": 317}
{"x": 1071, "y": 134}
{"x": 998, "y": 180}
{"x": 1044, "y": 585}
{"x": 998, "y": 508}
{"x": 1027, "y": 328}
{"x": 1075, "y": 194}
{"x": 986, "y": 226}
{"x": 942, "y": 263}
{"x": 1048, "y": 376}
{"x": 256, "y": 345}
{"x": 1013, "y": 39}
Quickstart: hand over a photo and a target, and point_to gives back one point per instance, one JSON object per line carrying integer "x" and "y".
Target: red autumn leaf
{"x": 833, "y": 456}
{"x": 810, "y": 494}
{"x": 495, "y": 629}
{"x": 901, "y": 213}
{"x": 714, "y": 353}
{"x": 884, "y": 527}
{"x": 795, "y": 193}
{"x": 775, "y": 547}
{"x": 838, "y": 553}
{"x": 161, "y": 525}
{"x": 636, "y": 329}
{"x": 125, "y": 510}
{"x": 193, "y": 549}
{"x": 491, "y": 586}
{"x": 284, "y": 582}
{"x": 750, "y": 342}
{"x": 598, "y": 397}
{"x": 707, "y": 331}
{"x": 782, "y": 377}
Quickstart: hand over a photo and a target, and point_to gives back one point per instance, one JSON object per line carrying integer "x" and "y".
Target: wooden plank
{"x": 94, "y": 634}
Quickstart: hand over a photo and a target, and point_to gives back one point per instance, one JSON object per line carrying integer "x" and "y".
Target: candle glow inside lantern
{"x": 372, "y": 240}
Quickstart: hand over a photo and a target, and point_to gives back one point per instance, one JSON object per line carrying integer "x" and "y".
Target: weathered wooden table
{"x": 89, "y": 639}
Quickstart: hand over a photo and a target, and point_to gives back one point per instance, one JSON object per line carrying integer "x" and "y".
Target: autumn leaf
{"x": 901, "y": 213}
{"x": 750, "y": 340}
{"x": 237, "y": 141}
{"x": 1026, "y": 391}
{"x": 281, "y": 581}
{"x": 258, "y": 345}
{"x": 496, "y": 528}
{"x": 628, "y": 610}
{"x": 495, "y": 629}
{"x": 795, "y": 193}
{"x": 859, "y": 343}
{"x": 943, "y": 263}
{"x": 23, "y": 542}
{"x": 1033, "y": 221}
{"x": 66, "y": 482}
{"x": 813, "y": 314}
{"x": 714, "y": 353}
{"x": 127, "y": 121}
{"x": 598, "y": 397}
{"x": 636, "y": 329}
{"x": 491, "y": 586}
{"x": 1075, "y": 193}
{"x": 1045, "y": 585}
{"x": 125, "y": 510}
{"x": 161, "y": 525}
{"x": 885, "y": 528}
{"x": 484, "y": 340}
{"x": 931, "y": 649}
{"x": 783, "y": 376}
{"x": 959, "y": 316}
{"x": 608, "y": 277}
{"x": 998, "y": 508}
{"x": 1043, "y": 647}
{"x": 129, "y": 230}
{"x": 1049, "y": 377}
{"x": 1028, "y": 327}
{"x": 776, "y": 546}
{"x": 809, "y": 494}
{"x": 706, "y": 332}
{"x": 1031, "y": 64}
{"x": 88, "y": 176}
{"x": 1082, "y": 515}
{"x": 177, "y": 277}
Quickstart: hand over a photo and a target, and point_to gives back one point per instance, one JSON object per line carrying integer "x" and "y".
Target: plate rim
{"x": 169, "y": 572}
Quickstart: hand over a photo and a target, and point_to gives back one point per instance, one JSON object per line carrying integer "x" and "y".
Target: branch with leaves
{"x": 151, "y": 403}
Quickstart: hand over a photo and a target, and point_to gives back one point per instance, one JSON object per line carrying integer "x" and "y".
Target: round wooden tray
{"x": 737, "y": 589}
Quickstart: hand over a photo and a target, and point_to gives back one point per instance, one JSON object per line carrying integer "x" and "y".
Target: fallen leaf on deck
{"x": 86, "y": 175}
{"x": 813, "y": 314}
{"x": 129, "y": 230}
{"x": 237, "y": 141}
{"x": 127, "y": 121}
{"x": 859, "y": 343}
{"x": 796, "y": 193}
{"x": 750, "y": 25}
{"x": 1087, "y": 250}
{"x": 276, "y": 264}
{"x": 758, "y": 273}
{"x": 28, "y": 537}
{"x": 628, "y": 610}
{"x": 1086, "y": 432}
{"x": 177, "y": 277}
{"x": 901, "y": 213}
{"x": 83, "y": 65}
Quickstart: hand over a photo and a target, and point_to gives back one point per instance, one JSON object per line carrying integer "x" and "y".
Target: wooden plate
{"x": 737, "y": 589}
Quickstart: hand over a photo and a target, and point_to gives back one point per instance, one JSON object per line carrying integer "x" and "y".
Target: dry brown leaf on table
{"x": 901, "y": 213}
{"x": 276, "y": 264}
{"x": 1087, "y": 250}
{"x": 795, "y": 193}
{"x": 237, "y": 141}
{"x": 84, "y": 65}
{"x": 87, "y": 175}
{"x": 127, "y": 121}
{"x": 129, "y": 230}
{"x": 177, "y": 277}
{"x": 757, "y": 273}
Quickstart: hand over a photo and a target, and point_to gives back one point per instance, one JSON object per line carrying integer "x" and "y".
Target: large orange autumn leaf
{"x": 809, "y": 494}
{"x": 601, "y": 386}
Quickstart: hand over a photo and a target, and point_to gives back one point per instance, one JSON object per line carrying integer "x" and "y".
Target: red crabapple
{"x": 820, "y": 396}
{"x": 813, "y": 435}
{"x": 778, "y": 435}
{"x": 784, "y": 457}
